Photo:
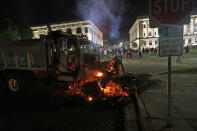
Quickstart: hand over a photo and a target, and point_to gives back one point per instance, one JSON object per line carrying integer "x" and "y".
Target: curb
{"x": 146, "y": 123}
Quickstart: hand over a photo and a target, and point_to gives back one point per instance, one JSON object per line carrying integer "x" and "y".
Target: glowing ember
{"x": 90, "y": 99}
{"x": 99, "y": 74}
{"x": 95, "y": 83}
{"x": 113, "y": 89}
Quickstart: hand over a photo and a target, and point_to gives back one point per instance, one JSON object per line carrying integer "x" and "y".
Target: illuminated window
{"x": 86, "y": 29}
{"x": 79, "y": 30}
{"x": 150, "y": 42}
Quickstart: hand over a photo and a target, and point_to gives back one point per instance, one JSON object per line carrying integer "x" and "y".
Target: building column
{"x": 89, "y": 34}
{"x": 195, "y": 24}
{"x": 184, "y": 29}
{"x": 147, "y": 25}
{"x": 192, "y": 26}
{"x": 153, "y": 33}
{"x": 138, "y": 30}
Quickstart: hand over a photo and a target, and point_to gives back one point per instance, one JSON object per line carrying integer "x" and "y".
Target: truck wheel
{"x": 15, "y": 83}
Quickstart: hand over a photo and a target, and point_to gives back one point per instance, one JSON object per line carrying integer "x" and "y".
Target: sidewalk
{"x": 153, "y": 104}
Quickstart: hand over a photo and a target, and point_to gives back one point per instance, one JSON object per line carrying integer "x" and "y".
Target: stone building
{"x": 190, "y": 31}
{"x": 141, "y": 30}
{"x": 75, "y": 27}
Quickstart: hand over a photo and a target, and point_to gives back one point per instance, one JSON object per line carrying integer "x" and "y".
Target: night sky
{"x": 113, "y": 17}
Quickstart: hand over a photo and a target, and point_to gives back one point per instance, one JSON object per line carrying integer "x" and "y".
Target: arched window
{"x": 78, "y": 30}
{"x": 69, "y": 31}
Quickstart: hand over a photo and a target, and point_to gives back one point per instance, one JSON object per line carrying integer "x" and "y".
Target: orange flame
{"x": 90, "y": 99}
{"x": 113, "y": 89}
{"x": 99, "y": 74}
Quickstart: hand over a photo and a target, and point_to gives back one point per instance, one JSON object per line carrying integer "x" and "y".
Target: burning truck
{"x": 68, "y": 60}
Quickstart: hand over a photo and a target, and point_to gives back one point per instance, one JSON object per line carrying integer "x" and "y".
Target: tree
{"x": 142, "y": 43}
{"x": 10, "y": 30}
{"x": 134, "y": 45}
{"x": 25, "y": 31}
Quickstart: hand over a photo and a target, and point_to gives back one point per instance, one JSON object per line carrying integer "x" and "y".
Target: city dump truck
{"x": 56, "y": 56}
{"x": 65, "y": 59}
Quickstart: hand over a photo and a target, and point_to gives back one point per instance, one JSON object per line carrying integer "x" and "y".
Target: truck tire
{"x": 15, "y": 83}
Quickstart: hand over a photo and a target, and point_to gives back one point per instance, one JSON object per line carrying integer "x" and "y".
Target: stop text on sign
{"x": 170, "y": 12}
{"x": 168, "y": 6}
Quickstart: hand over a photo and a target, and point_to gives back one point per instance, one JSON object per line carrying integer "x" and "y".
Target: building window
{"x": 150, "y": 42}
{"x": 189, "y": 41}
{"x": 144, "y": 34}
{"x": 86, "y": 29}
{"x": 69, "y": 31}
{"x": 196, "y": 39}
{"x": 144, "y": 26}
{"x": 195, "y": 28}
{"x": 155, "y": 33}
{"x": 156, "y": 42}
{"x": 149, "y": 34}
{"x": 78, "y": 30}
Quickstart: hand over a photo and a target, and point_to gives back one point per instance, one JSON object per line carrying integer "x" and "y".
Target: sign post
{"x": 169, "y": 16}
{"x": 169, "y": 91}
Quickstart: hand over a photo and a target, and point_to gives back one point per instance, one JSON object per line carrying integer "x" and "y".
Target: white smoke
{"x": 102, "y": 11}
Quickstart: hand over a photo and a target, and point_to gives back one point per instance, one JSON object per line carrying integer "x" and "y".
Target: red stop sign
{"x": 170, "y": 12}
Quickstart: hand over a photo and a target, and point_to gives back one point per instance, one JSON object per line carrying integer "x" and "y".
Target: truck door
{"x": 63, "y": 55}
{"x": 68, "y": 55}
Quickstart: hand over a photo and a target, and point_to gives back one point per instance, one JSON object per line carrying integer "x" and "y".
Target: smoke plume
{"x": 103, "y": 13}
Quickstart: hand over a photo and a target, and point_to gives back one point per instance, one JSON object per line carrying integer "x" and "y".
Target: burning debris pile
{"x": 101, "y": 81}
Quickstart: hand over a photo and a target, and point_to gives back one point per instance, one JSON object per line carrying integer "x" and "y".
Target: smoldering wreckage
{"x": 69, "y": 60}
